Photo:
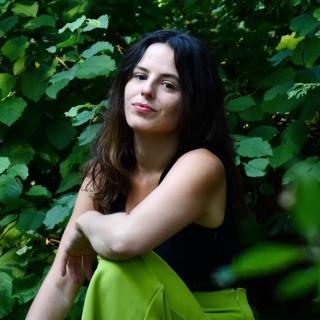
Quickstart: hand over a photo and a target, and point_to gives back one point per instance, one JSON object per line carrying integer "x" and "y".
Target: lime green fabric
{"x": 147, "y": 288}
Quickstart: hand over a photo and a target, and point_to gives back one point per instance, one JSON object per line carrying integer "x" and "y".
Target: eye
{"x": 139, "y": 76}
{"x": 168, "y": 85}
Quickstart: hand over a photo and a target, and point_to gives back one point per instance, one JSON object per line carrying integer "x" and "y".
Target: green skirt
{"x": 147, "y": 288}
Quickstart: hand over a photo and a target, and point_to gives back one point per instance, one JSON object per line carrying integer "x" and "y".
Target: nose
{"x": 148, "y": 89}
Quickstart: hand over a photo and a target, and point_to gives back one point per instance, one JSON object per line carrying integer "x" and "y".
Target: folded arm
{"x": 188, "y": 191}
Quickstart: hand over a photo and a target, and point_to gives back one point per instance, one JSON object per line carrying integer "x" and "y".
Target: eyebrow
{"x": 166, "y": 75}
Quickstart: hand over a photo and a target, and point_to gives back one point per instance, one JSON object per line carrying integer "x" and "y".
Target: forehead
{"x": 159, "y": 57}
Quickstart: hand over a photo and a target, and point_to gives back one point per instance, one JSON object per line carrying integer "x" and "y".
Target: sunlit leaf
{"x": 95, "y": 66}
{"x": 7, "y": 83}
{"x": 72, "y": 26}
{"x": 96, "y": 48}
{"x": 256, "y": 167}
{"x": 15, "y": 48}
{"x": 89, "y": 134}
{"x": 4, "y": 164}
{"x": 26, "y": 10}
{"x": 254, "y": 147}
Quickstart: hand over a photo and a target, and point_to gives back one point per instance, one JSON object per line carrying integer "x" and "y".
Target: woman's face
{"x": 152, "y": 95}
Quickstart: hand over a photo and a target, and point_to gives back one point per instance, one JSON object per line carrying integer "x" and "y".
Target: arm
{"x": 57, "y": 292}
{"x": 193, "y": 187}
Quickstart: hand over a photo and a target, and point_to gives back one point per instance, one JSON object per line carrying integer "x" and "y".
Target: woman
{"x": 163, "y": 165}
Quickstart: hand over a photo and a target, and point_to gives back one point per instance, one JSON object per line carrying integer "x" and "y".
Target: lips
{"x": 143, "y": 107}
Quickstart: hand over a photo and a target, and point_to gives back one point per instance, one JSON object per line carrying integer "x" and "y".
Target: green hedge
{"x": 57, "y": 61}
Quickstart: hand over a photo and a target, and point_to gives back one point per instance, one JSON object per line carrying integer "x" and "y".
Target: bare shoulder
{"x": 201, "y": 162}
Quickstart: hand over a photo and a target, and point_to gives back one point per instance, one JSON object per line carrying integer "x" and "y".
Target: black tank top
{"x": 195, "y": 252}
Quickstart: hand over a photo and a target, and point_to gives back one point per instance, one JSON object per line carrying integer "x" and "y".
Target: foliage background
{"x": 57, "y": 59}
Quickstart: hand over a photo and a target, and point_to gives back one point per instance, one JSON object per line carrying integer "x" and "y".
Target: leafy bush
{"x": 56, "y": 66}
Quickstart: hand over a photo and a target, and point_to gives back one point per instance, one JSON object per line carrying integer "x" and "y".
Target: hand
{"x": 77, "y": 255}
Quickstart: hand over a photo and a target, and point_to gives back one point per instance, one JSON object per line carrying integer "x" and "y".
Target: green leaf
{"x": 38, "y": 191}
{"x": 72, "y": 40}
{"x": 96, "y": 48}
{"x": 304, "y": 24}
{"x": 33, "y": 86}
{"x": 89, "y": 134}
{"x": 265, "y": 259}
{"x": 7, "y": 24}
{"x": 43, "y": 20}
{"x": 18, "y": 151}
{"x": 281, "y": 155}
{"x": 72, "y": 26}
{"x": 56, "y": 215}
{"x": 7, "y": 83}
{"x": 4, "y": 164}
{"x": 60, "y": 133}
{"x": 25, "y": 289}
{"x": 101, "y": 22}
{"x": 10, "y": 189}
{"x": 256, "y": 167}
{"x": 309, "y": 167}
{"x": 311, "y": 52}
{"x": 279, "y": 57}
{"x": 25, "y": 10}
{"x": 77, "y": 157}
{"x": 240, "y": 104}
{"x": 280, "y": 76}
{"x": 254, "y": 147}
{"x": 18, "y": 170}
{"x": 281, "y": 104}
{"x": 11, "y": 110}
{"x": 289, "y": 42}
{"x": 83, "y": 117}
{"x": 277, "y": 90}
{"x": 316, "y": 14}
{"x": 298, "y": 283}
{"x": 307, "y": 206}
{"x": 12, "y": 263}
{"x": 30, "y": 220}
{"x": 67, "y": 200}
{"x": 64, "y": 75}
{"x": 95, "y": 66}
{"x": 252, "y": 114}
{"x": 295, "y": 135}
{"x": 15, "y": 48}
{"x": 69, "y": 181}
{"x": 265, "y": 132}
{"x": 19, "y": 66}
{"x": 53, "y": 90}
{"x": 7, "y": 301}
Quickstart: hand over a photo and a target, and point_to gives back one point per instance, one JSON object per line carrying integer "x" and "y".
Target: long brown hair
{"x": 202, "y": 118}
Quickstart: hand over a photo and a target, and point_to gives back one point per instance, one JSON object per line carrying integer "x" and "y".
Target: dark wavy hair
{"x": 202, "y": 117}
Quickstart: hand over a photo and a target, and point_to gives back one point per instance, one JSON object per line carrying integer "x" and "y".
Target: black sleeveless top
{"x": 195, "y": 252}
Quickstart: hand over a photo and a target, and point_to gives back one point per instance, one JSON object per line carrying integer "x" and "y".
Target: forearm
{"x": 54, "y": 299}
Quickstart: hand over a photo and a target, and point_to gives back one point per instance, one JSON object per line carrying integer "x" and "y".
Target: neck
{"x": 153, "y": 153}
